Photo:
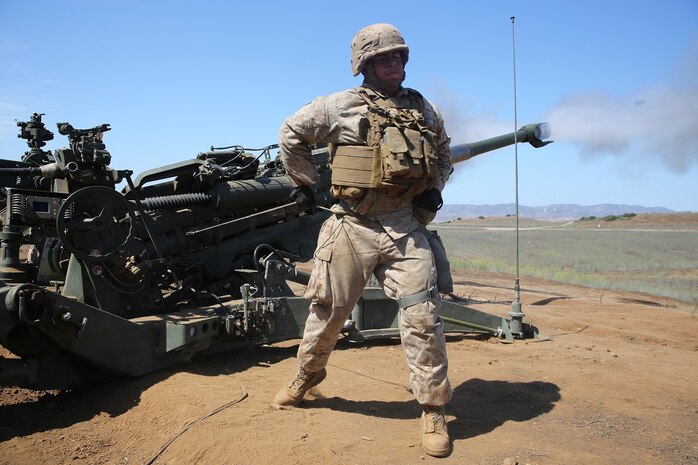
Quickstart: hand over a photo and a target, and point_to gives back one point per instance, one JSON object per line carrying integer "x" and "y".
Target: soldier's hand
{"x": 304, "y": 197}
{"x": 429, "y": 200}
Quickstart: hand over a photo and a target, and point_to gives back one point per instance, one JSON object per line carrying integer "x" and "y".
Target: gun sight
{"x": 34, "y": 131}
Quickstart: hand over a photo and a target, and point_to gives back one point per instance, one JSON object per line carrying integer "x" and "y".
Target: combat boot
{"x": 435, "y": 441}
{"x": 294, "y": 392}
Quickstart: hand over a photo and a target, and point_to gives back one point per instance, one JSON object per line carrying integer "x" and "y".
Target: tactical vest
{"x": 400, "y": 153}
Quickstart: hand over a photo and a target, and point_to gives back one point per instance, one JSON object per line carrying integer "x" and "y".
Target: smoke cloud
{"x": 660, "y": 122}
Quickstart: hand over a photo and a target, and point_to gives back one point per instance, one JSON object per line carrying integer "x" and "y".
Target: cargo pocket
{"x": 319, "y": 287}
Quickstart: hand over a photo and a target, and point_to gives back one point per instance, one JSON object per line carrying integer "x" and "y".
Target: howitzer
{"x": 193, "y": 257}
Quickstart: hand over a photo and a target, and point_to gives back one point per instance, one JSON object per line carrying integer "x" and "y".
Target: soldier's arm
{"x": 443, "y": 143}
{"x": 307, "y": 126}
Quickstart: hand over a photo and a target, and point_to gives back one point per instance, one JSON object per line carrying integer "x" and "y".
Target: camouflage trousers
{"x": 351, "y": 248}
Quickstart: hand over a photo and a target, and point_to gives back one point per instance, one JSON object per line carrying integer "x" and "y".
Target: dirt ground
{"x": 613, "y": 380}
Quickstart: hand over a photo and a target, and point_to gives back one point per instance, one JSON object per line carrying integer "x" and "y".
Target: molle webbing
{"x": 399, "y": 152}
{"x": 354, "y": 165}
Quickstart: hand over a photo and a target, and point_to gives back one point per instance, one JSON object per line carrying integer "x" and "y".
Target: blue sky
{"x": 618, "y": 82}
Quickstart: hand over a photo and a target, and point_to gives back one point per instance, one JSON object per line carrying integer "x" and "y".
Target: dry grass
{"x": 656, "y": 254}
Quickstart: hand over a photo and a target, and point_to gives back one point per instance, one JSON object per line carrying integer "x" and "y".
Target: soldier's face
{"x": 388, "y": 66}
{"x": 386, "y": 71}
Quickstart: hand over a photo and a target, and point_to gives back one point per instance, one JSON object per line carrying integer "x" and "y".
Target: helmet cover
{"x": 374, "y": 40}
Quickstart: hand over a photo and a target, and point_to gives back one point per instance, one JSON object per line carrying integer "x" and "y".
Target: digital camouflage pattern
{"x": 374, "y": 40}
{"x": 350, "y": 249}
{"x": 341, "y": 119}
{"x": 375, "y": 233}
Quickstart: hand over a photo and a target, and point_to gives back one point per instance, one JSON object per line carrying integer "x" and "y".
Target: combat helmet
{"x": 374, "y": 40}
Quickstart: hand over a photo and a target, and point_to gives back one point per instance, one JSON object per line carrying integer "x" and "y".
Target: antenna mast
{"x": 516, "y": 312}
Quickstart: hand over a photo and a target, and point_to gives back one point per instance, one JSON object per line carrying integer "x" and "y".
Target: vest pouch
{"x": 353, "y": 165}
{"x": 415, "y": 153}
{"x": 393, "y": 153}
{"x": 430, "y": 158}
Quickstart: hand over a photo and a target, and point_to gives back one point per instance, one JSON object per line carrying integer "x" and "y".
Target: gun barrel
{"x": 51, "y": 170}
{"x": 531, "y": 133}
{"x": 19, "y": 171}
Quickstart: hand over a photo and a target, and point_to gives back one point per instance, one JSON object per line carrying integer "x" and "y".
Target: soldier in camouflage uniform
{"x": 390, "y": 161}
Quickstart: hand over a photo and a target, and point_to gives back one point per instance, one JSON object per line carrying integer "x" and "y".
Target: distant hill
{"x": 550, "y": 212}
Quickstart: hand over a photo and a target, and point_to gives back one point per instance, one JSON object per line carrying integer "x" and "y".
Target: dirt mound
{"x": 611, "y": 381}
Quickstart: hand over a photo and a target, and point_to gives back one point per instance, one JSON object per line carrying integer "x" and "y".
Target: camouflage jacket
{"x": 341, "y": 118}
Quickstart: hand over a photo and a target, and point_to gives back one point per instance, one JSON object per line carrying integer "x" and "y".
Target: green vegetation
{"x": 624, "y": 216}
{"x": 656, "y": 261}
